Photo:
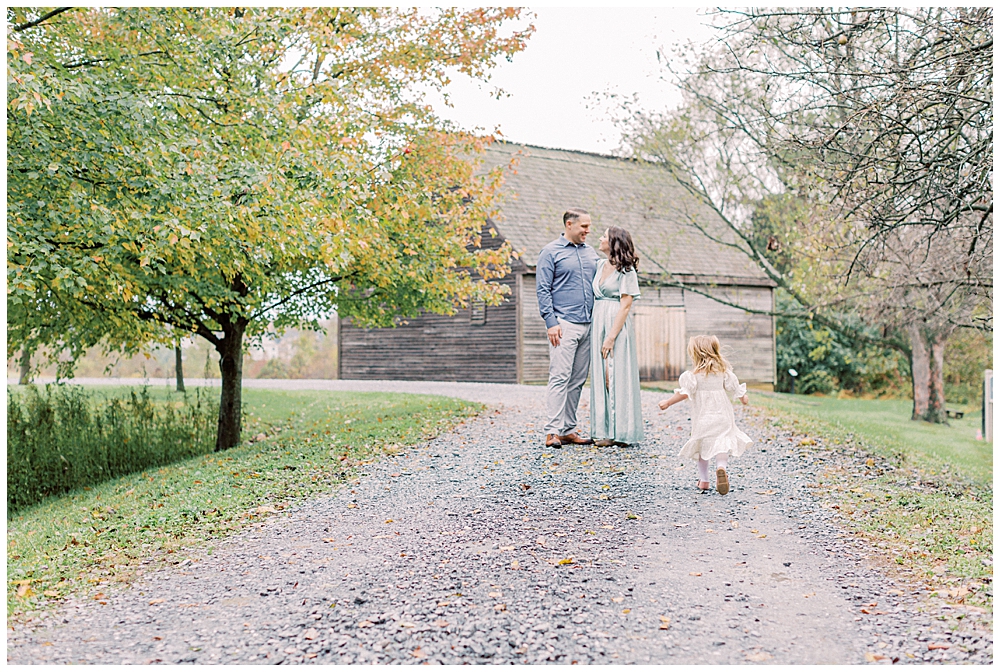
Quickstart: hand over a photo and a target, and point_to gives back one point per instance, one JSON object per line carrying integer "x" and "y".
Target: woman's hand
{"x": 607, "y": 347}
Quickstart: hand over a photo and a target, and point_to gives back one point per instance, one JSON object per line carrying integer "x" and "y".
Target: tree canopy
{"x": 221, "y": 172}
{"x": 850, "y": 153}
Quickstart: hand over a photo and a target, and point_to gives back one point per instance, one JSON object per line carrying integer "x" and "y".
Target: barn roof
{"x": 642, "y": 198}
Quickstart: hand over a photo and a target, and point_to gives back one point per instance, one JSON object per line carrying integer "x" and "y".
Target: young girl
{"x": 710, "y": 387}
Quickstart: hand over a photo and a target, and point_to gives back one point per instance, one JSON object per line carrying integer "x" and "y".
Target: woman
{"x": 615, "y": 409}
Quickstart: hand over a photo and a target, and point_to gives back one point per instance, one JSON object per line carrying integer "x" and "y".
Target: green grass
{"x": 886, "y": 424}
{"x": 84, "y": 541}
{"x": 920, "y": 494}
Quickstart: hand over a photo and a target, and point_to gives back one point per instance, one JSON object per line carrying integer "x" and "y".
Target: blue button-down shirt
{"x": 564, "y": 282}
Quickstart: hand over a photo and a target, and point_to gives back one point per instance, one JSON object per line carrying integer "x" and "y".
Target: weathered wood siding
{"x": 439, "y": 347}
{"x": 436, "y": 347}
{"x": 661, "y": 340}
{"x": 534, "y": 341}
{"x": 747, "y": 338}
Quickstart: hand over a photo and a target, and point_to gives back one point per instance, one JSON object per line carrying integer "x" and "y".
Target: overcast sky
{"x": 574, "y": 54}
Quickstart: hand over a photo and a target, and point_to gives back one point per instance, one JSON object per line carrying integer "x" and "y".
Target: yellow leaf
{"x": 626, "y": 611}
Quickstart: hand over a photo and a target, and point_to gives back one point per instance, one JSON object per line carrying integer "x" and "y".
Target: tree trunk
{"x": 927, "y": 368}
{"x": 231, "y": 403}
{"x": 935, "y": 398}
{"x": 25, "y": 368}
{"x": 920, "y": 371}
{"x": 179, "y": 368}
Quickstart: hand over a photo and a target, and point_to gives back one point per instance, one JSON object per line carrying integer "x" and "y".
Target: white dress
{"x": 713, "y": 424}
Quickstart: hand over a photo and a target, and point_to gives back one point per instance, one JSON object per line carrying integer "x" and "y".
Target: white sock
{"x": 721, "y": 461}
{"x": 702, "y": 469}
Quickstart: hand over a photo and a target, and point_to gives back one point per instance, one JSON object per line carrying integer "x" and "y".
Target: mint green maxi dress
{"x": 615, "y": 407}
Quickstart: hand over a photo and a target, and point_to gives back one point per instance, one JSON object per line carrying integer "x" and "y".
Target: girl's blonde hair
{"x": 706, "y": 354}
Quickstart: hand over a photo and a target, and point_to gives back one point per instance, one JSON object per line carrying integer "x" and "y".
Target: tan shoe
{"x": 552, "y": 441}
{"x": 573, "y": 437}
{"x": 604, "y": 443}
{"x": 721, "y": 481}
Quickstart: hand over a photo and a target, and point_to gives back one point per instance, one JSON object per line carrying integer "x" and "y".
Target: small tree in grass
{"x": 218, "y": 171}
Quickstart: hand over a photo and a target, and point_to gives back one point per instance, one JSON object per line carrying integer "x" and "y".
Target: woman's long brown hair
{"x": 621, "y": 251}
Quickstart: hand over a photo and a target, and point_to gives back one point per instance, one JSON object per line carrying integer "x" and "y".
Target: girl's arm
{"x": 677, "y": 398}
{"x": 609, "y": 342}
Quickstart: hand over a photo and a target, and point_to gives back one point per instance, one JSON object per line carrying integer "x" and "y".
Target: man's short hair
{"x": 573, "y": 214}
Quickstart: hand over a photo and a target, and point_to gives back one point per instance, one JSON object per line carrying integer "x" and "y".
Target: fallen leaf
{"x": 734, "y": 523}
{"x": 389, "y": 521}
{"x": 865, "y": 611}
{"x": 24, "y": 590}
{"x": 753, "y": 531}
{"x": 525, "y": 486}
{"x": 407, "y": 624}
{"x": 50, "y": 593}
{"x": 443, "y": 604}
{"x": 365, "y": 624}
{"x": 617, "y": 599}
{"x": 441, "y": 623}
{"x": 310, "y": 634}
{"x": 934, "y": 647}
{"x": 546, "y": 455}
{"x": 500, "y": 607}
{"x": 759, "y": 657}
{"x": 495, "y": 594}
{"x": 506, "y": 548}
{"x": 664, "y": 622}
{"x": 625, "y": 611}
{"x": 352, "y": 506}
{"x": 607, "y": 527}
{"x": 394, "y": 475}
{"x": 762, "y": 536}
{"x": 566, "y": 561}
{"x": 158, "y": 600}
{"x": 807, "y": 442}
{"x": 694, "y": 573}
{"x": 765, "y": 492}
{"x": 515, "y": 564}
{"x": 418, "y": 653}
{"x": 631, "y": 516}
{"x": 873, "y": 657}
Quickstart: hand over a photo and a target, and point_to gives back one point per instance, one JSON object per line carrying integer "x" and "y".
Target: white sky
{"x": 574, "y": 54}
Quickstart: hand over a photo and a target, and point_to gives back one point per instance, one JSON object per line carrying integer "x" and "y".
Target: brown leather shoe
{"x": 552, "y": 441}
{"x": 604, "y": 443}
{"x": 573, "y": 437}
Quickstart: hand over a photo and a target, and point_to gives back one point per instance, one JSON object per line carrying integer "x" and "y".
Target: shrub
{"x": 60, "y": 438}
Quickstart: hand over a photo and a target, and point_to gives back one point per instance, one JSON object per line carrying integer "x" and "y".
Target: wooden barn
{"x": 507, "y": 343}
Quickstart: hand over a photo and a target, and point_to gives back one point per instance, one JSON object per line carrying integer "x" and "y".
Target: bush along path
{"x": 482, "y": 546}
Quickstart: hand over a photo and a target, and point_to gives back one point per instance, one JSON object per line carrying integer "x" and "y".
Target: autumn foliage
{"x": 221, "y": 172}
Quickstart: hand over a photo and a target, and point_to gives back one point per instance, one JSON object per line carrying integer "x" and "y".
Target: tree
{"x": 873, "y": 131}
{"x": 221, "y": 171}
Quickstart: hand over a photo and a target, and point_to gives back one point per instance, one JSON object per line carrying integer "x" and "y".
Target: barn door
{"x": 659, "y": 333}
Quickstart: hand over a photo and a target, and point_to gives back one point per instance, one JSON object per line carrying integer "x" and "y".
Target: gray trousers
{"x": 569, "y": 364}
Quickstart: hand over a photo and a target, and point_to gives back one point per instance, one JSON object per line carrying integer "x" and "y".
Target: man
{"x": 565, "y": 273}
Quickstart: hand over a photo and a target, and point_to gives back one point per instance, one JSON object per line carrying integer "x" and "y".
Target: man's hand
{"x": 555, "y": 335}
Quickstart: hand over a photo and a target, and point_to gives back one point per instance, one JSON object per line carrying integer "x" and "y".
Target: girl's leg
{"x": 721, "y": 461}
{"x": 703, "y": 474}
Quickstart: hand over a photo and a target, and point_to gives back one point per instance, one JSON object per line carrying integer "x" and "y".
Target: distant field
{"x": 886, "y": 423}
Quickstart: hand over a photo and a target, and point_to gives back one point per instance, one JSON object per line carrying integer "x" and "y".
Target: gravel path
{"x": 482, "y": 546}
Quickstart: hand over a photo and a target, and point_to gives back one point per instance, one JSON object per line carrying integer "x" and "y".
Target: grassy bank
{"x": 886, "y": 424}
{"x": 296, "y": 444}
{"x": 921, "y": 494}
